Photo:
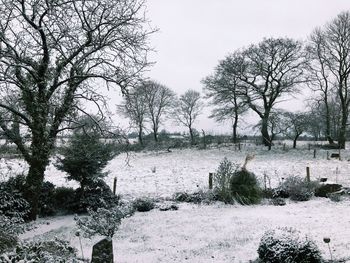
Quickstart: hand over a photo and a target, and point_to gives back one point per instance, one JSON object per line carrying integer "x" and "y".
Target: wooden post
{"x": 309, "y": 145}
{"x": 284, "y": 146}
{"x": 327, "y": 155}
{"x": 210, "y": 180}
{"x": 239, "y": 146}
{"x": 339, "y": 155}
{"x": 314, "y": 153}
{"x": 114, "y": 185}
{"x": 308, "y": 174}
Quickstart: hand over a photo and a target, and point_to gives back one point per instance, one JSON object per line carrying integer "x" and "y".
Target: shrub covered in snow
{"x": 198, "y": 197}
{"x": 12, "y": 204}
{"x": 222, "y": 179}
{"x": 289, "y": 246}
{"x": 297, "y": 188}
{"x": 42, "y": 252}
{"x": 143, "y": 204}
{"x": 104, "y": 222}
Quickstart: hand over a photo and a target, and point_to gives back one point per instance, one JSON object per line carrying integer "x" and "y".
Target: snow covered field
{"x": 211, "y": 233}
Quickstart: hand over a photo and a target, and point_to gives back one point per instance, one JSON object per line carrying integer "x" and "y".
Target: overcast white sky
{"x": 195, "y": 34}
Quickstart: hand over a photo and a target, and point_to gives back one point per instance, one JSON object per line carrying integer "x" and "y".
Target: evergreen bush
{"x": 244, "y": 187}
{"x": 288, "y": 246}
{"x": 143, "y": 204}
{"x": 85, "y": 157}
{"x": 233, "y": 184}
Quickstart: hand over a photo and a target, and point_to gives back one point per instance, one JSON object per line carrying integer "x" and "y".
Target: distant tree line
{"x": 257, "y": 78}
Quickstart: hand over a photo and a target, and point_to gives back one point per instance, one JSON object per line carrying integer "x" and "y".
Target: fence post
{"x": 327, "y": 155}
{"x": 314, "y": 153}
{"x": 308, "y": 174}
{"x": 210, "y": 180}
{"x": 114, "y": 185}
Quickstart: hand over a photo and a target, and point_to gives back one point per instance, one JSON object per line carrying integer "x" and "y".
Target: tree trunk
{"x": 266, "y": 140}
{"x": 140, "y": 136}
{"x": 191, "y": 135}
{"x": 155, "y": 136}
{"x": 234, "y": 128}
{"x": 33, "y": 186}
{"x": 342, "y": 131}
{"x": 295, "y": 141}
{"x": 328, "y": 125}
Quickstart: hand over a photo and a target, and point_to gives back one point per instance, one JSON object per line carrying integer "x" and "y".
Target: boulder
{"x": 102, "y": 252}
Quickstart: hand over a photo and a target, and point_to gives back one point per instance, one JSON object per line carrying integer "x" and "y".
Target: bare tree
{"x": 320, "y": 76}
{"x": 223, "y": 89}
{"x": 295, "y": 124}
{"x": 160, "y": 100}
{"x": 51, "y": 55}
{"x": 336, "y": 55}
{"x": 188, "y": 107}
{"x": 135, "y": 108}
{"x": 265, "y": 73}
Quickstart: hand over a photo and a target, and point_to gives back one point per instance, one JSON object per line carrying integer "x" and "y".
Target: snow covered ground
{"x": 214, "y": 233}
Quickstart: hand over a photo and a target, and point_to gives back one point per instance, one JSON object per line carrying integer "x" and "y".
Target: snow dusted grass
{"x": 214, "y": 233}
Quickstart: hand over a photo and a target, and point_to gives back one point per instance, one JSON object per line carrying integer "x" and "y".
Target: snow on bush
{"x": 289, "y": 246}
{"x": 54, "y": 251}
{"x": 104, "y": 222}
{"x": 298, "y": 188}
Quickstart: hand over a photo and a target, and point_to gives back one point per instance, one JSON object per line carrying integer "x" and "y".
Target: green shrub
{"x": 94, "y": 197}
{"x": 64, "y": 199}
{"x": 46, "y": 201}
{"x": 104, "y": 222}
{"x": 244, "y": 188}
{"x": 15, "y": 183}
{"x": 143, "y": 204}
{"x": 198, "y": 197}
{"x": 42, "y": 252}
{"x": 85, "y": 157}
{"x": 7, "y": 241}
{"x": 298, "y": 188}
{"x": 233, "y": 184}
{"x": 12, "y": 204}
{"x": 288, "y": 246}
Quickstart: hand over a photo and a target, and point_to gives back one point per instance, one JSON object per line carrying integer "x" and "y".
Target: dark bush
{"x": 244, "y": 187}
{"x": 143, "y": 204}
{"x": 287, "y": 245}
{"x": 323, "y": 190}
{"x": 278, "y": 201}
{"x": 7, "y": 242}
{"x": 268, "y": 193}
{"x": 15, "y": 183}
{"x": 64, "y": 199}
{"x": 181, "y": 197}
{"x": 198, "y": 197}
{"x": 94, "y": 197}
{"x": 47, "y": 200}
